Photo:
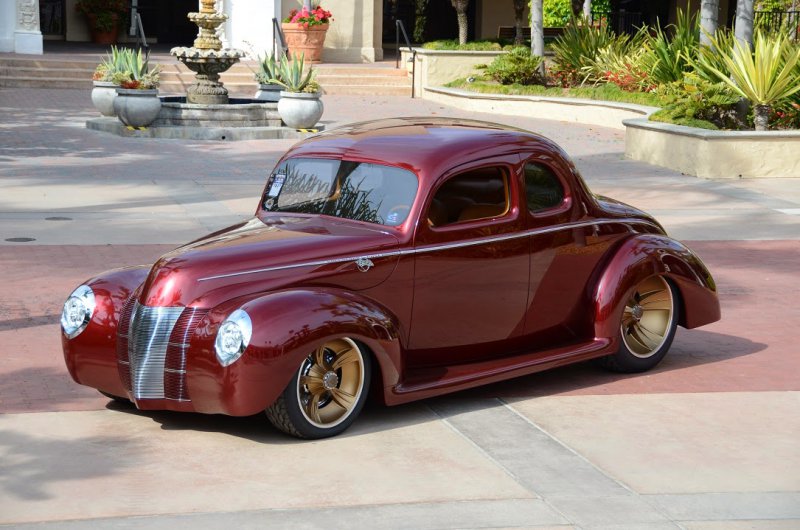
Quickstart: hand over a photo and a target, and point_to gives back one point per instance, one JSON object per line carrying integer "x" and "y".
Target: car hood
{"x": 266, "y": 254}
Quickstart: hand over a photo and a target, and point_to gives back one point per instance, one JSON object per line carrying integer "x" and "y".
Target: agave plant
{"x": 268, "y": 68}
{"x": 135, "y": 71}
{"x": 111, "y": 64}
{"x": 577, "y": 46}
{"x": 292, "y": 77}
{"x": 766, "y": 75}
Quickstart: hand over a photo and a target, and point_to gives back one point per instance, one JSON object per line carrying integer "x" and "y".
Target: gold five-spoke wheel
{"x": 326, "y": 393}
{"x": 330, "y": 383}
{"x": 647, "y": 326}
{"x": 647, "y": 318}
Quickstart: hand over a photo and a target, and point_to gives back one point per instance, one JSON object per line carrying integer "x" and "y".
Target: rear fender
{"x": 646, "y": 255}
{"x": 287, "y": 326}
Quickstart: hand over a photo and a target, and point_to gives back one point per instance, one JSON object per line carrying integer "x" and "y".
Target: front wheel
{"x": 647, "y": 327}
{"x": 326, "y": 393}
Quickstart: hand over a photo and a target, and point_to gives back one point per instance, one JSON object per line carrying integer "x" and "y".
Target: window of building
{"x": 476, "y": 194}
{"x": 542, "y": 188}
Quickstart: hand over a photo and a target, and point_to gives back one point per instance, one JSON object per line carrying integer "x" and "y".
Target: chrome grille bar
{"x": 148, "y": 338}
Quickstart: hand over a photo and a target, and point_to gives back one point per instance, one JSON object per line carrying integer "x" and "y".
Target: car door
{"x": 471, "y": 266}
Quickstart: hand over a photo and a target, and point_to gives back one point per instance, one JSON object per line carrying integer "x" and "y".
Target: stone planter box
{"x": 438, "y": 67}
{"x": 714, "y": 154}
{"x": 587, "y": 111}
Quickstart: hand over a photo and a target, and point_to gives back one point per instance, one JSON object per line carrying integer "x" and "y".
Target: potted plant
{"x": 300, "y": 106}
{"x": 137, "y": 103}
{"x": 268, "y": 68}
{"x": 103, "y": 17}
{"x": 305, "y": 31}
{"x": 105, "y": 90}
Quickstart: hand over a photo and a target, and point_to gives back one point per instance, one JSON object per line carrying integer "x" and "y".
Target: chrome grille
{"x": 148, "y": 338}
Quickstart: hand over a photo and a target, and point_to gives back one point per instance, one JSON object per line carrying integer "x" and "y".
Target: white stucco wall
{"x": 8, "y": 21}
{"x": 249, "y": 24}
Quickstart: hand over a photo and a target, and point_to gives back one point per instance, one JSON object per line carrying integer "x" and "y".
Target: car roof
{"x": 422, "y": 144}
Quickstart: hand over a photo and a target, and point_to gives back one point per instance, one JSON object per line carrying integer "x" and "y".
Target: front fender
{"x": 90, "y": 357}
{"x": 287, "y": 326}
{"x": 642, "y": 256}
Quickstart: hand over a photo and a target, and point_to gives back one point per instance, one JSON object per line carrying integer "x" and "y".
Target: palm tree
{"x": 537, "y": 31}
{"x": 461, "y": 13}
{"x": 587, "y": 9}
{"x": 709, "y": 14}
{"x": 519, "y": 16}
{"x": 743, "y": 27}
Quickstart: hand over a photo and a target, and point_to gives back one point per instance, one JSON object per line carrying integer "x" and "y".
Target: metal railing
{"x": 401, "y": 29}
{"x": 774, "y": 21}
{"x": 137, "y": 29}
{"x": 619, "y": 21}
{"x": 278, "y": 40}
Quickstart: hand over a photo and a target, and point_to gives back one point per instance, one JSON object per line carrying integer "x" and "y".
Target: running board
{"x": 436, "y": 381}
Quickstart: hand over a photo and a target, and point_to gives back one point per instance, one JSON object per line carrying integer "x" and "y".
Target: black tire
{"x": 326, "y": 393}
{"x": 646, "y": 334}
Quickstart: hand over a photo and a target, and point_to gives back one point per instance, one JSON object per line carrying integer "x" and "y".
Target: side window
{"x": 476, "y": 194}
{"x": 542, "y": 188}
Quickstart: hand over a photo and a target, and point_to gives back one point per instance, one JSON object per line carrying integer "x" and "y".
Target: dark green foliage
{"x": 518, "y": 66}
{"x": 697, "y": 100}
{"x": 452, "y": 44}
{"x": 670, "y": 55}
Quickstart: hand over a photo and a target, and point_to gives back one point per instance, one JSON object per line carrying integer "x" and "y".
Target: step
{"x": 50, "y": 64}
{"x": 30, "y": 72}
{"x": 39, "y": 82}
{"x": 366, "y": 90}
{"x": 366, "y": 80}
{"x": 358, "y": 71}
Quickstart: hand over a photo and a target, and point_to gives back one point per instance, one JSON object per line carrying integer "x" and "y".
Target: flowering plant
{"x": 314, "y": 17}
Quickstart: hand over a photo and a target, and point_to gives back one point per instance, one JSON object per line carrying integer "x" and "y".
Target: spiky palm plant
{"x": 292, "y": 77}
{"x": 765, "y": 76}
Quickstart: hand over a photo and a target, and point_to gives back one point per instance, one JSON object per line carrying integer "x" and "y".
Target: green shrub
{"x": 694, "y": 99}
{"x": 518, "y": 66}
{"x": 452, "y": 44}
{"x": 621, "y": 63}
{"x": 576, "y": 48}
{"x": 669, "y": 56}
{"x": 556, "y": 13}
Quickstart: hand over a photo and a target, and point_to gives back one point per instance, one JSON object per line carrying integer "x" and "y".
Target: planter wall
{"x": 587, "y": 111}
{"x": 714, "y": 154}
{"x": 437, "y": 67}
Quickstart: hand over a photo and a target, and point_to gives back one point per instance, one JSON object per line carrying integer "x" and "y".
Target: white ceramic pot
{"x": 103, "y": 95}
{"x": 268, "y": 92}
{"x": 137, "y": 108}
{"x": 299, "y": 110}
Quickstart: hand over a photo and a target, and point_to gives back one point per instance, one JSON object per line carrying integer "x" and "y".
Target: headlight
{"x": 78, "y": 310}
{"x": 233, "y": 337}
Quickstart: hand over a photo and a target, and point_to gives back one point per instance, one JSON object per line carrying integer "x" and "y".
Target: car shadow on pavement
{"x": 671, "y": 376}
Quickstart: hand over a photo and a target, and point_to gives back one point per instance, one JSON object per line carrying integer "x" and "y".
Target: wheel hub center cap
{"x": 330, "y": 380}
{"x": 637, "y": 312}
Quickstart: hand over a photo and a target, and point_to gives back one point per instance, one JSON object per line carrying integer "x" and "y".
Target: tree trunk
{"x": 519, "y": 21}
{"x": 743, "y": 27}
{"x": 709, "y": 15}
{"x": 587, "y": 9}
{"x": 577, "y": 7}
{"x": 761, "y": 117}
{"x": 461, "y": 14}
{"x": 537, "y": 31}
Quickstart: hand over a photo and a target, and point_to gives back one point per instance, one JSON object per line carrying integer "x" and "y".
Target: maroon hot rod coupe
{"x": 411, "y": 256}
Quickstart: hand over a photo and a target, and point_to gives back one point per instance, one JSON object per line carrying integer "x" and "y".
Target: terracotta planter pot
{"x": 103, "y": 36}
{"x": 308, "y": 41}
{"x": 137, "y": 108}
{"x": 103, "y": 95}
{"x": 300, "y": 110}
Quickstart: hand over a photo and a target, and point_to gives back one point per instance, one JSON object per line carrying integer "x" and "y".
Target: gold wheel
{"x": 647, "y": 318}
{"x": 331, "y": 382}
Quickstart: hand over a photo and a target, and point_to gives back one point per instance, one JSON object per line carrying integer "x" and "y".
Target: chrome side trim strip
{"x": 436, "y": 248}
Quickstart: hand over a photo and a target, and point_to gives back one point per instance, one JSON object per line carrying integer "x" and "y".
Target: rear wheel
{"x": 647, "y": 327}
{"x": 326, "y": 393}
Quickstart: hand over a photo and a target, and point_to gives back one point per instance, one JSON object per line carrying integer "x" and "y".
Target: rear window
{"x": 542, "y": 187}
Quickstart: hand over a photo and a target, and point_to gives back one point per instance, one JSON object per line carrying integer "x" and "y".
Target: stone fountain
{"x": 207, "y": 58}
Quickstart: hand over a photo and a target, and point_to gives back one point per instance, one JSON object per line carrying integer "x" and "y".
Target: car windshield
{"x": 352, "y": 190}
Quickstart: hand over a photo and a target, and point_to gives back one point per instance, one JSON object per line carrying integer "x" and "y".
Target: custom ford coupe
{"x": 405, "y": 258}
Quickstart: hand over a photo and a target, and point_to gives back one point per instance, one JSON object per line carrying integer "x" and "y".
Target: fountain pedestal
{"x": 207, "y": 58}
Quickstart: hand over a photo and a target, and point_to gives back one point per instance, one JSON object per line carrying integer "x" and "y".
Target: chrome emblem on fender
{"x": 364, "y": 264}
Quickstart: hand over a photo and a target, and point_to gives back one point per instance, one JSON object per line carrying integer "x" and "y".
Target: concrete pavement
{"x": 706, "y": 441}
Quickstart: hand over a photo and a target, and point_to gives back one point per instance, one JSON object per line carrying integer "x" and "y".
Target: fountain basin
{"x": 175, "y": 111}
